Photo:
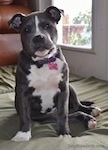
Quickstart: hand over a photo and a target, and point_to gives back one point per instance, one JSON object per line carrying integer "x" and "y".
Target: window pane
{"x": 75, "y": 28}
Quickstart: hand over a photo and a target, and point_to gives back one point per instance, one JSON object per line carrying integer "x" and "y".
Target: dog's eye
{"x": 27, "y": 29}
{"x": 47, "y": 26}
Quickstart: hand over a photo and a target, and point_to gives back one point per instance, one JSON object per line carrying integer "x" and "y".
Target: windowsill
{"x": 78, "y": 49}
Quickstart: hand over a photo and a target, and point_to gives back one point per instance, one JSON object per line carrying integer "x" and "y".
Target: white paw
{"x": 96, "y": 112}
{"x": 65, "y": 136}
{"x": 92, "y": 124}
{"x": 22, "y": 136}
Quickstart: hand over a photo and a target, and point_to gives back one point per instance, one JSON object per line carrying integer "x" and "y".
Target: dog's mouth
{"x": 42, "y": 52}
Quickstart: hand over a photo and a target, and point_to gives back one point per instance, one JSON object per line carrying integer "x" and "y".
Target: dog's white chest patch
{"x": 45, "y": 81}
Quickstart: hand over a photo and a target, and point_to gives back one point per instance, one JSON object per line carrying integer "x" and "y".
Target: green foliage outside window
{"x": 83, "y": 38}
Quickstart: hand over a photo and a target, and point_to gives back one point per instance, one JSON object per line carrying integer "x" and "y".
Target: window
{"x": 75, "y": 28}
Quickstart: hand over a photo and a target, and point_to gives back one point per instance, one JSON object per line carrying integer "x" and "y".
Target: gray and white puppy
{"x": 42, "y": 77}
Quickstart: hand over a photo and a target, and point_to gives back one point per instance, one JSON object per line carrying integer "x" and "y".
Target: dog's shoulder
{"x": 23, "y": 65}
{"x": 60, "y": 55}
{"x": 24, "y": 59}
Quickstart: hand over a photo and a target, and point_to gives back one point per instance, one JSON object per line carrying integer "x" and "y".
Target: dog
{"x": 42, "y": 89}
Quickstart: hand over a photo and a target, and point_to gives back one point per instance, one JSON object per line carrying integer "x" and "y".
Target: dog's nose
{"x": 38, "y": 38}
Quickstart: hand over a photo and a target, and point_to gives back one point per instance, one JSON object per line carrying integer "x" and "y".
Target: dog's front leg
{"x": 62, "y": 112}
{"x": 22, "y": 106}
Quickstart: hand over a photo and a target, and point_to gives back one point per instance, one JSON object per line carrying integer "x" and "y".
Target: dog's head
{"x": 38, "y": 31}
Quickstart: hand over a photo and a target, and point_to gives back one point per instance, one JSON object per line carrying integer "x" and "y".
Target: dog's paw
{"x": 92, "y": 124}
{"x": 22, "y": 136}
{"x": 96, "y": 112}
{"x": 65, "y": 136}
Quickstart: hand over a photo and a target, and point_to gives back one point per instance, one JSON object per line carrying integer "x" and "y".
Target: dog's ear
{"x": 54, "y": 13}
{"x": 16, "y": 21}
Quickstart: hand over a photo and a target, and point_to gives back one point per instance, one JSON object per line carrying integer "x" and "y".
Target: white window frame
{"x": 92, "y": 62}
